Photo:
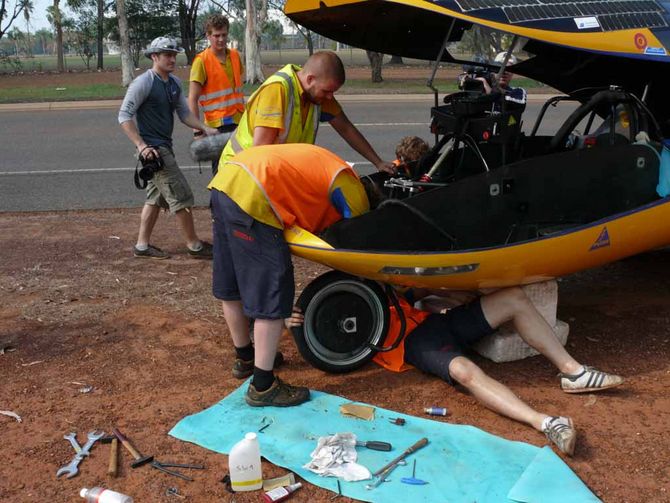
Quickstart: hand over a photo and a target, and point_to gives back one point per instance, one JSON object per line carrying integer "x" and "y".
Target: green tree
{"x": 147, "y": 20}
{"x": 188, "y": 20}
{"x": 17, "y": 37}
{"x": 273, "y": 34}
{"x": 44, "y": 38}
{"x": 28, "y": 9}
{"x": 82, "y": 32}
{"x": 9, "y": 12}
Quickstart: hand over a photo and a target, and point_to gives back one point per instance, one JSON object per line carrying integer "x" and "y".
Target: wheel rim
{"x": 342, "y": 320}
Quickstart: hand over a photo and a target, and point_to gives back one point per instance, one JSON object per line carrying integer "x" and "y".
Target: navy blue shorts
{"x": 252, "y": 262}
{"x": 432, "y": 345}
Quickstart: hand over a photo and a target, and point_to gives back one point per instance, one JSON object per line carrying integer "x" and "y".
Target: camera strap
{"x": 139, "y": 183}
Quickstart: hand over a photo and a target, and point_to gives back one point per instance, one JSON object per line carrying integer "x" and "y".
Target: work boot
{"x": 243, "y": 369}
{"x": 279, "y": 394}
{"x": 151, "y": 252}
{"x": 589, "y": 380}
{"x": 562, "y": 432}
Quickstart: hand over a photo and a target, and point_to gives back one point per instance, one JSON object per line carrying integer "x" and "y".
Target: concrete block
{"x": 506, "y": 345}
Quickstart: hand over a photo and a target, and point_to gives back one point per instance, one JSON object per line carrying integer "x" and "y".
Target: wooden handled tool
{"x": 139, "y": 458}
{"x": 112, "y": 469}
{"x": 421, "y": 443}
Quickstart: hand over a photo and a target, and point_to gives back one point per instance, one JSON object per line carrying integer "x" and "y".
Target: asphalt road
{"x": 80, "y": 159}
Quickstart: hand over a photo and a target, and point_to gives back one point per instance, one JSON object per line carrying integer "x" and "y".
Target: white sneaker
{"x": 589, "y": 380}
{"x": 562, "y": 432}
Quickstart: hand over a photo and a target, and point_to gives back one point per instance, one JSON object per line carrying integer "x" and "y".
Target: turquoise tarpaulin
{"x": 460, "y": 463}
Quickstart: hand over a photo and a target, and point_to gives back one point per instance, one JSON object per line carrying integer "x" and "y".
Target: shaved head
{"x": 325, "y": 65}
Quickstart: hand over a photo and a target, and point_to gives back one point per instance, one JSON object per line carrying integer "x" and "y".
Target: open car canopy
{"x": 573, "y": 44}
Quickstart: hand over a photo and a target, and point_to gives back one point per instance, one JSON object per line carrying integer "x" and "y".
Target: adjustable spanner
{"x": 71, "y": 469}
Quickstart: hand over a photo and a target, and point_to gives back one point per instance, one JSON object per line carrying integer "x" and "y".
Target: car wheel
{"x": 344, "y": 316}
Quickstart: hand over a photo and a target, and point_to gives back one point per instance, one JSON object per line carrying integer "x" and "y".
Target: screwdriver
{"x": 375, "y": 445}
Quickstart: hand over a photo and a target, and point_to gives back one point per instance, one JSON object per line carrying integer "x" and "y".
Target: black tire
{"x": 343, "y": 316}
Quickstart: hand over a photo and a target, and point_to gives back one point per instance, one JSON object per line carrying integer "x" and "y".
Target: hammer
{"x": 139, "y": 459}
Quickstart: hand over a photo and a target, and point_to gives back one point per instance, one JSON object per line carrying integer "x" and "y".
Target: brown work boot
{"x": 279, "y": 394}
{"x": 243, "y": 369}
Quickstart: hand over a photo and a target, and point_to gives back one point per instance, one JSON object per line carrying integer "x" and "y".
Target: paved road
{"x": 79, "y": 159}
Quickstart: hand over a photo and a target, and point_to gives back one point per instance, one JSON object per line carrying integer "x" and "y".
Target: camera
{"x": 150, "y": 167}
{"x": 468, "y": 80}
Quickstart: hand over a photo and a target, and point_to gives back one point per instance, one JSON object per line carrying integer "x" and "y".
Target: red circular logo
{"x": 640, "y": 41}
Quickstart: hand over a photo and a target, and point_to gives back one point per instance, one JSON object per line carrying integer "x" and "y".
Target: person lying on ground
{"x": 436, "y": 343}
{"x": 262, "y": 191}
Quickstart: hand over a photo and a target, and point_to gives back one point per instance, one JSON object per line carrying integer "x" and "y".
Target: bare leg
{"x": 513, "y": 304}
{"x": 185, "y": 221}
{"x": 238, "y": 323}
{"x": 493, "y": 394}
{"x": 148, "y": 219}
{"x": 266, "y": 337}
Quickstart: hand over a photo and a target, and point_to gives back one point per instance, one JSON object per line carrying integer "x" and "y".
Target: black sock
{"x": 246, "y": 353}
{"x": 263, "y": 379}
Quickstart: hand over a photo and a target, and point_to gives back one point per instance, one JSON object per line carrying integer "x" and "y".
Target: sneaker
{"x": 279, "y": 394}
{"x": 243, "y": 369}
{"x": 562, "y": 432}
{"x": 589, "y": 380}
{"x": 204, "y": 252}
{"x": 152, "y": 252}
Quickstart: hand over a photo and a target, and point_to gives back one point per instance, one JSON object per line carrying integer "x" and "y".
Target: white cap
{"x": 500, "y": 58}
{"x": 83, "y": 492}
{"x": 163, "y": 44}
{"x": 250, "y": 436}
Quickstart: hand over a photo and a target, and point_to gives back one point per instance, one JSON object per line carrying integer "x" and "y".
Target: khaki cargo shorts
{"x": 168, "y": 188}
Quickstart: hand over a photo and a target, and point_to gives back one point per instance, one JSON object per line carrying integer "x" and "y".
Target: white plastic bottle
{"x": 102, "y": 495}
{"x": 244, "y": 463}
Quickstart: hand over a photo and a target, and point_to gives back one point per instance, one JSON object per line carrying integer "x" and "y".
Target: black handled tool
{"x": 375, "y": 445}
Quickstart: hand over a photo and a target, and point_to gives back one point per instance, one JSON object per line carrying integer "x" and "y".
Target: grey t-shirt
{"x": 154, "y": 102}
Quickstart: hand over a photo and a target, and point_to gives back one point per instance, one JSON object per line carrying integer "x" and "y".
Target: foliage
{"x": 147, "y": 20}
{"x": 9, "y": 12}
{"x": 82, "y": 32}
{"x": 273, "y": 34}
{"x": 12, "y": 63}
{"x": 484, "y": 42}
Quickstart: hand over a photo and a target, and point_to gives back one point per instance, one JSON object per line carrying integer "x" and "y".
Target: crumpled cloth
{"x": 335, "y": 456}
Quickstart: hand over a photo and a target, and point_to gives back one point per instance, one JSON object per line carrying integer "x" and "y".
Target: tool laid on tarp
{"x": 413, "y": 481}
{"x": 140, "y": 459}
{"x": 375, "y": 445}
{"x": 383, "y": 472}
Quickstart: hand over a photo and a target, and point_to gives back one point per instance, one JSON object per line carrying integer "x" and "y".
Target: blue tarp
{"x": 461, "y": 463}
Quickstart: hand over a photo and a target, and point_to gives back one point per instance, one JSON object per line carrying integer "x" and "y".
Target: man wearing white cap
{"x": 152, "y": 98}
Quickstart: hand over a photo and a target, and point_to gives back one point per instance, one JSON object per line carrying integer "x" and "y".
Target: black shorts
{"x": 252, "y": 262}
{"x": 432, "y": 345}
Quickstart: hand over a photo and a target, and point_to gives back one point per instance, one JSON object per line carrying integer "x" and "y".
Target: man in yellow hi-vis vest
{"x": 290, "y": 104}
{"x": 216, "y": 81}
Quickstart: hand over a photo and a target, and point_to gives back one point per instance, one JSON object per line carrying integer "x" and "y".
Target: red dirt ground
{"x": 150, "y": 339}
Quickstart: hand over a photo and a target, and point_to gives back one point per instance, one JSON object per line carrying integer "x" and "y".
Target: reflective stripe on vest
{"x": 293, "y": 131}
{"x": 220, "y": 98}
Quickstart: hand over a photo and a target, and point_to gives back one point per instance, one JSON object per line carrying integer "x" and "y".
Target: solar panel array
{"x": 612, "y": 15}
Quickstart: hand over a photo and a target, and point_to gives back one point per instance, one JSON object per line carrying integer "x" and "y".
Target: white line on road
{"x": 205, "y": 168}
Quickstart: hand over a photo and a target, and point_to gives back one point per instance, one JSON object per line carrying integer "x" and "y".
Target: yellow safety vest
{"x": 293, "y": 130}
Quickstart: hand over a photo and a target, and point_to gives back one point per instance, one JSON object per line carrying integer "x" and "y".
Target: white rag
{"x": 335, "y": 456}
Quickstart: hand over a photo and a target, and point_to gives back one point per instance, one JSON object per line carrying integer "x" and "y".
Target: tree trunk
{"x": 60, "y": 60}
{"x": 127, "y": 72}
{"x": 396, "y": 60}
{"x": 188, "y": 14}
{"x": 101, "y": 18}
{"x": 375, "y": 65}
{"x": 252, "y": 45}
{"x": 310, "y": 43}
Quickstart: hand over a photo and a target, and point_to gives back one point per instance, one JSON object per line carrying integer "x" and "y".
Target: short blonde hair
{"x": 410, "y": 149}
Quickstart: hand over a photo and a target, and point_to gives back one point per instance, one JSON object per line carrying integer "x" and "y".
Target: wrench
{"x": 71, "y": 469}
{"x": 72, "y": 438}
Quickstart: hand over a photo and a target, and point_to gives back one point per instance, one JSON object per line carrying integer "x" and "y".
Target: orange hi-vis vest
{"x": 395, "y": 359}
{"x": 296, "y": 180}
{"x": 220, "y": 98}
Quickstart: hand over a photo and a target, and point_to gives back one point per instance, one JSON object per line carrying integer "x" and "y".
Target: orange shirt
{"x": 395, "y": 360}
